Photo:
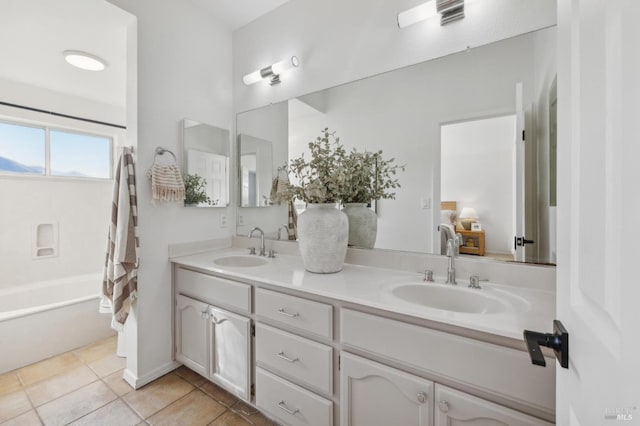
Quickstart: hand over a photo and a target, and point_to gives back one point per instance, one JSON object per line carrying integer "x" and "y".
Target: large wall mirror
{"x": 206, "y": 164}
{"x": 458, "y": 123}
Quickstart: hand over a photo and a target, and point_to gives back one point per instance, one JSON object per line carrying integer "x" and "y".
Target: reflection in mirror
{"x": 206, "y": 164}
{"x": 404, "y": 113}
{"x": 255, "y": 171}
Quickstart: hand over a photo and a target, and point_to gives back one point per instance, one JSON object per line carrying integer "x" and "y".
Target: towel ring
{"x": 162, "y": 151}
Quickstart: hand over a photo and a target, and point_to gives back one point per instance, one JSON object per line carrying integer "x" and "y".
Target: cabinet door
{"x": 230, "y": 355}
{"x": 455, "y": 408}
{"x": 191, "y": 334}
{"x": 374, "y": 394}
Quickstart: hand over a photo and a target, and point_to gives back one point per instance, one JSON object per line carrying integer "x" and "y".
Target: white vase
{"x": 363, "y": 225}
{"x": 323, "y": 232}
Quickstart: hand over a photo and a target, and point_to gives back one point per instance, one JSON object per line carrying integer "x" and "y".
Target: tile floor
{"x": 85, "y": 387}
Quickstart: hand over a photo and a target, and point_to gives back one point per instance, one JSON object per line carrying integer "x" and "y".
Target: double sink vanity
{"x": 367, "y": 345}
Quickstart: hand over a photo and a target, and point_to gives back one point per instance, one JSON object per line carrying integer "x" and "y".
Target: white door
{"x": 598, "y": 284}
{"x": 230, "y": 355}
{"x": 192, "y": 334}
{"x": 455, "y": 408}
{"x": 373, "y": 394}
{"x": 213, "y": 168}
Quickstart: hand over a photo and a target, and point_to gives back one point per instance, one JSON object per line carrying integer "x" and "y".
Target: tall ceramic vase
{"x": 363, "y": 225}
{"x": 323, "y": 232}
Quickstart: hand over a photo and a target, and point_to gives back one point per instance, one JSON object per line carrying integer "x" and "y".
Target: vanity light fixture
{"x": 272, "y": 72}
{"x": 449, "y": 10}
{"x": 84, "y": 60}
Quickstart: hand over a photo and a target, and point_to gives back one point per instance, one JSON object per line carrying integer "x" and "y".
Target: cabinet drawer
{"x": 453, "y": 406}
{"x": 214, "y": 290}
{"x": 300, "y": 359}
{"x": 503, "y": 371}
{"x": 303, "y": 314}
{"x": 290, "y": 403}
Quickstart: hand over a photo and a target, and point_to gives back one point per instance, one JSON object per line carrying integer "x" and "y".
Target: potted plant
{"x": 369, "y": 178}
{"x": 322, "y": 228}
{"x": 195, "y": 190}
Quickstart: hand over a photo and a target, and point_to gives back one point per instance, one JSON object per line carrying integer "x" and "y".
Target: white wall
{"x": 79, "y": 207}
{"x": 477, "y": 171}
{"x": 184, "y": 70}
{"x": 340, "y": 41}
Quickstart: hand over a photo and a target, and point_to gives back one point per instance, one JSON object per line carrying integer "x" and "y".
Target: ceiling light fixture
{"x": 84, "y": 60}
{"x": 449, "y": 10}
{"x": 272, "y": 72}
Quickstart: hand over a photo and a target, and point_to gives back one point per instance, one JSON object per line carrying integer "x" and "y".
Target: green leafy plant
{"x": 323, "y": 177}
{"x": 195, "y": 190}
{"x": 369, "y": 177}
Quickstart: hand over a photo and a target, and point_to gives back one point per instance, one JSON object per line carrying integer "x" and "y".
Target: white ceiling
{"x": 34, "y": 33}
{"x": 238, "y": 13}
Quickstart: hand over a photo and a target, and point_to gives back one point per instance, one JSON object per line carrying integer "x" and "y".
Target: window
{"x": 47, "y": 151}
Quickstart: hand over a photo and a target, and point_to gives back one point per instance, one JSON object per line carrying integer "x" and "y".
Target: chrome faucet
{"x": 286, "y": 229}
{"x": 263, "y": 251}
{"x": 453, "y": 251}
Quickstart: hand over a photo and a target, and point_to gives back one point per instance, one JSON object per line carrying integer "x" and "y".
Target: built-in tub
{"x": 47, "y": 318}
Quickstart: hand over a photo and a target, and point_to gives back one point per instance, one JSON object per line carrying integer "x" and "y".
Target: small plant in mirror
{"x": 196, "y": 190}
{"x": 369, "y": 177}
{"x": 323, "y": 177}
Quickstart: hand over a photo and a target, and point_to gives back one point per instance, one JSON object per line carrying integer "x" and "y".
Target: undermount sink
{"x": 240, "y": 261}
{"x": 450, "y": 298}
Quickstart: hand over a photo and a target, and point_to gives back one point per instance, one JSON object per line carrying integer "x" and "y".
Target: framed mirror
{"x": 205, "y": 153}
{"x": 408, "y": 112}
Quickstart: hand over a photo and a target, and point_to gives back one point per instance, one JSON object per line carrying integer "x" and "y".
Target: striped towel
{"x": 166, "y": 182}
{"x": 293, "y": 222}
{"x": 120, "y": 276}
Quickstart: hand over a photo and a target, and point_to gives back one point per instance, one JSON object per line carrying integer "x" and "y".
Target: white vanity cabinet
{"x": 375, "y": 394}
{"x": 320, "y": 361}
{"x": 192, "y": 334}
{"x": 454, "y": 408}
{"x": 212, "y": 341}
{"x": 294, "y": 374}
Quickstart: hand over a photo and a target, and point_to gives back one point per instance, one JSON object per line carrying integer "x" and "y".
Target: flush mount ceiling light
{"x": 449, "y": 10}
{"x": 84, "y": 60}
{"x": 272, "y": 72}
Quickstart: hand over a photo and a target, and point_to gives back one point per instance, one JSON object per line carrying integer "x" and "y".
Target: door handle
{"x": 558, "y": 341}
{"x": 521, "y": 242}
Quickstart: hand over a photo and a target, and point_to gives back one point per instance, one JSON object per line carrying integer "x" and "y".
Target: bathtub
{"x": 47, "y": 318}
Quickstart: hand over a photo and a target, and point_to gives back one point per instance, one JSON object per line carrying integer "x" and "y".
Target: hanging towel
{"x": 293, "y": 222}
{"x": 120, "y": 276}
{"x": 166, "y": 182}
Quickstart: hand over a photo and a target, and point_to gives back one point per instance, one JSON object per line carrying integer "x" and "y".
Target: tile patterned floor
{"x": 85, "y": 387}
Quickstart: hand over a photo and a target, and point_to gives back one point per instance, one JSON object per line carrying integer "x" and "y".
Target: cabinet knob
{"x": 422, "y": 397}
{"x": 205, "y": 313}
{"x": 444, "y": 406}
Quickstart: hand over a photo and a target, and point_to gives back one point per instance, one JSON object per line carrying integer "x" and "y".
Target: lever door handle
{"x": 558, "y": 341}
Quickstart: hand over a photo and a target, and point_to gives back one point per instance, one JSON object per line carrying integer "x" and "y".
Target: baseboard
{"x": 138, "y": 382}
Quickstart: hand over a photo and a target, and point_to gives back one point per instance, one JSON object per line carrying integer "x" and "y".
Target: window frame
{"x": 111, "y": 137}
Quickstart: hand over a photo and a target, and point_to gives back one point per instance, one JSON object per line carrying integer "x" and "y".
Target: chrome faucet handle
{"x": 474, "y": 281}
{"x": 252, "y": 250}
{"x": 272, "y": 253}
{"x": 428, "y": 276}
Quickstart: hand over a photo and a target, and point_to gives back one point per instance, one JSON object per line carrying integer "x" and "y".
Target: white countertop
{"x": 527, "y": 308}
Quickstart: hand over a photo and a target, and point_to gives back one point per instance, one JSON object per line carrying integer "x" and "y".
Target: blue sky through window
{"x": 74, "y": 154}
{"x": 22, "y": 150}
{"x": 23, "y": 147}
